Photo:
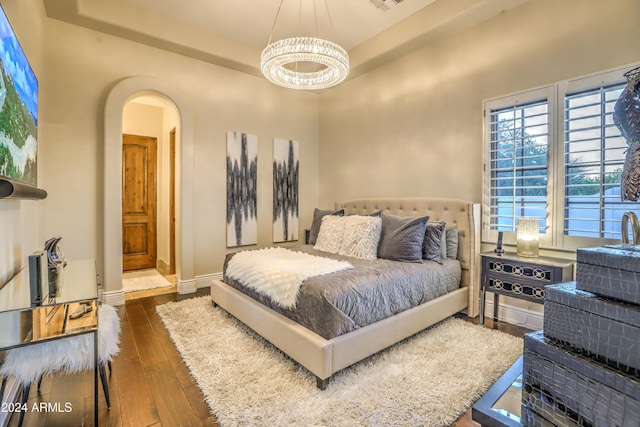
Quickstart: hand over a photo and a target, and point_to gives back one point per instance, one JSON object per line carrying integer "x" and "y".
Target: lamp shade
{"x": 528, "y": 237}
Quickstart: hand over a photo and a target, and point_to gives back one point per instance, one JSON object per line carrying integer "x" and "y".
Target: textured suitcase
{"x": 566, "y": 388}
{"x": 597, "y": 327}
{"x": 611, "y": 270}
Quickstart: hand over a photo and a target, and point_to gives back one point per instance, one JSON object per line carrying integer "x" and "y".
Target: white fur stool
{"x": 69, "y": 355}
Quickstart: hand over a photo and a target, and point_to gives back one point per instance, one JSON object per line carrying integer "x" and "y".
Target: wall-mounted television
{"x": 18, "y": 110}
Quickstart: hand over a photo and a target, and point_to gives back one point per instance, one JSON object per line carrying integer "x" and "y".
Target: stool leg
{"x": 4, "y": 385}
{"x": 40, "y": 382}
{"x": 110, "y": 368}
{"x": 23, "y": 402}
{"x": 105, "y": 386}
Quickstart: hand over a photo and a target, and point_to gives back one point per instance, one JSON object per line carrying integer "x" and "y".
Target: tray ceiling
{"x": 233, "y": 33}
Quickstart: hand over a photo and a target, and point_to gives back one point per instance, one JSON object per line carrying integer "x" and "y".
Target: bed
{"x": 336, "y": 350}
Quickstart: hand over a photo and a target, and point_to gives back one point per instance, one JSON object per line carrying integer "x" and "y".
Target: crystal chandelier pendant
{"x": 281, "y": 61}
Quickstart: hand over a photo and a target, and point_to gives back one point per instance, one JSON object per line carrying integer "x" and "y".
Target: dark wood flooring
{"x": 150, "y": 384}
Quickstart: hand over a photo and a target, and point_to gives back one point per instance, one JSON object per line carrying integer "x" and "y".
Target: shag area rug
{"x": 141, "y": 280}
{"x": 430, "y": 379}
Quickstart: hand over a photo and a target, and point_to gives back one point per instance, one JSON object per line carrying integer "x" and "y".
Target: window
{"x": 555, "y": 154}
{"x": 519, "y": 132}
{"x": 519, "y": 141}
{"x": 594, "y": 156}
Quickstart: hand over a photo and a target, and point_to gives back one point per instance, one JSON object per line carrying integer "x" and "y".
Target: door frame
{"x": 172, "y": 201}
{"x": 111, "y": 255}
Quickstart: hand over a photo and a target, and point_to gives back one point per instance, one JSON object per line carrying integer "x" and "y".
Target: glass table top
{"x": 24, "y": 324}
{"x": 501, "y": 405}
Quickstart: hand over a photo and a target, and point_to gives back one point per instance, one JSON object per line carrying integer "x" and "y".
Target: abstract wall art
{"x": 285, "y": 190}
{"x": 242, "y": 182}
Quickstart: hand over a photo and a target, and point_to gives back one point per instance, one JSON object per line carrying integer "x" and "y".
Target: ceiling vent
{"x": 385, "y": 5}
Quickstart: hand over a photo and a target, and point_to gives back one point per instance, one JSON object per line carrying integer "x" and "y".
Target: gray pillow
{"x": 401, "y": 238}
{"x": 317, "y": 222}
{"x": 432, "y": 247}
{"x": 452, "y": 242}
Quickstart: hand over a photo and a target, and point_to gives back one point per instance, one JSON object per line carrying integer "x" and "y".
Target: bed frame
{"x": 325, "y": 357}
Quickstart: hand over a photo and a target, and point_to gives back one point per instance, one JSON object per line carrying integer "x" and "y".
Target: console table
{"x": 23, "y": 325}
{"x": 519, "y": 277}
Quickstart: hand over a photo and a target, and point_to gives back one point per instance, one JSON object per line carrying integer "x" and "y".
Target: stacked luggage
{"x": 584, "y": 367}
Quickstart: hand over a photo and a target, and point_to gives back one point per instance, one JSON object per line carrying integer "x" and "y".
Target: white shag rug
{"x": 430, "y": 379}
{"x": 142, "y": 280}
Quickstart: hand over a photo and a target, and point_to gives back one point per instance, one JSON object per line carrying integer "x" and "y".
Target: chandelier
{"x": 304, "y": 62}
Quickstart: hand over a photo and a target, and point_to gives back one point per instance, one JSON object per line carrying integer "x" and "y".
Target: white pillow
{"x": 353, "y": 236}
{"x": 361, "y": 237}
{"x": 331, "y": 234}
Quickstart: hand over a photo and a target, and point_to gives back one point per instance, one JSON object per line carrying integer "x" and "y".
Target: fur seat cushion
{"x": 68, "y": 355}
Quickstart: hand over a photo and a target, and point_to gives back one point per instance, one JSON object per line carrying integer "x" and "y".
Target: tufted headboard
{"x": 452, "y": 211}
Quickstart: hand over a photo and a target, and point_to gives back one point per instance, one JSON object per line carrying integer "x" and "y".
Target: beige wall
{"x": 81, "y": 66}
{"x": 414, "y": 127}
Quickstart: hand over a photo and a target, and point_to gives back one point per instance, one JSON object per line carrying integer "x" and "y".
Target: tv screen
{"x": 18, "y": 109}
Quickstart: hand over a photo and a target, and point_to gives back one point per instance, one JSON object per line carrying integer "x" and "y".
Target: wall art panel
{"x": 285, "y": 190}
{"x": 242, "y": 182}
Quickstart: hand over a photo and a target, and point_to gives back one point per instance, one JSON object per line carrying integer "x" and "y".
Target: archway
{"x": 121, "y": 93}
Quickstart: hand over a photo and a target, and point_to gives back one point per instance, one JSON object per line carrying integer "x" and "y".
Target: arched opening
{"x": 151, "y": 130}
{"x": 120, "y": 95}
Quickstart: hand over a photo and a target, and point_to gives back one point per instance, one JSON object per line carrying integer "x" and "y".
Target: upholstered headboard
{"x": 452, "y": 211}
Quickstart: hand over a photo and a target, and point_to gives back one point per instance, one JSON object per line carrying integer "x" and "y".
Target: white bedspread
{"x": 278, "y": 272}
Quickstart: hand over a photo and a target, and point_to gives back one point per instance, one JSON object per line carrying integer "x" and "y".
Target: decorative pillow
{"x": 402, "y": 237}
{"x": 432, "y": 247}
{"x": 443, "y": 243}
{"x": 354, "y": 236}
{"x": 331, "y": 234}
{"x": 317, "y": 221}
{"x": 361, "y": 237}
{"x": 452, "y": 242}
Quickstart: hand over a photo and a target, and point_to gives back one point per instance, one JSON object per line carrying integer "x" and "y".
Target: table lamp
{"x": 528, "y": 237}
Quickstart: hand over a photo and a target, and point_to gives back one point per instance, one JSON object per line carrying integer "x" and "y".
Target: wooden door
{"x": 138, "y": 202}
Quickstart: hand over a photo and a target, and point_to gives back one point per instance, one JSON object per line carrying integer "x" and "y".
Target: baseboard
{"x": 190, "y": 286}
{"x": 113, "y": 298}
{"x": 186, "y": 286}
{"x": 516, "y": 316}
{"x": 205, "y": 280}
{"x": 162, "y": 267}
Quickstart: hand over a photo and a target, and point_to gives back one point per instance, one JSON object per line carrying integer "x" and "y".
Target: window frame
{"x": 554, "y": 237}
{"x": 530, "y": 96}
{"x": 569, "y": 87}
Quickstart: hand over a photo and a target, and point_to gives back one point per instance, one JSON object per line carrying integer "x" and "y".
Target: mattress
{"x": 341, "y": 302}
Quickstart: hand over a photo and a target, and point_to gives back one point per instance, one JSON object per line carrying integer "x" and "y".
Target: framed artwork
{"x": 286, "y": 165}
{"x": 242, "y": 183}
{"x": 18, "y": 110}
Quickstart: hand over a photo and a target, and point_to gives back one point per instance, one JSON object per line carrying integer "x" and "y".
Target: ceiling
{"x": 232, "y": 33}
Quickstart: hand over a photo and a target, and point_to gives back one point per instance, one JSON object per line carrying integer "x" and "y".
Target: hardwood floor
{"x": 150, "y": 385}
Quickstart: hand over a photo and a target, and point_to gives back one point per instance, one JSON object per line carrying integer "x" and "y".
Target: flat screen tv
{"x": 18, "y": 109}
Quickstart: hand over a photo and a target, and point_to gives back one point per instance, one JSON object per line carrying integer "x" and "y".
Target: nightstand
{"x": 520, "y": 277}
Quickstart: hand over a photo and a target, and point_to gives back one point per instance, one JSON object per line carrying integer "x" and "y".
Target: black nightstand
{"x": 520, "y": 277}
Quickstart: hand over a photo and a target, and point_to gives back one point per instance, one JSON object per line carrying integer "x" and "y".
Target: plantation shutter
{"x": 518, "y": 162}
{"x": 594, "y": 156}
